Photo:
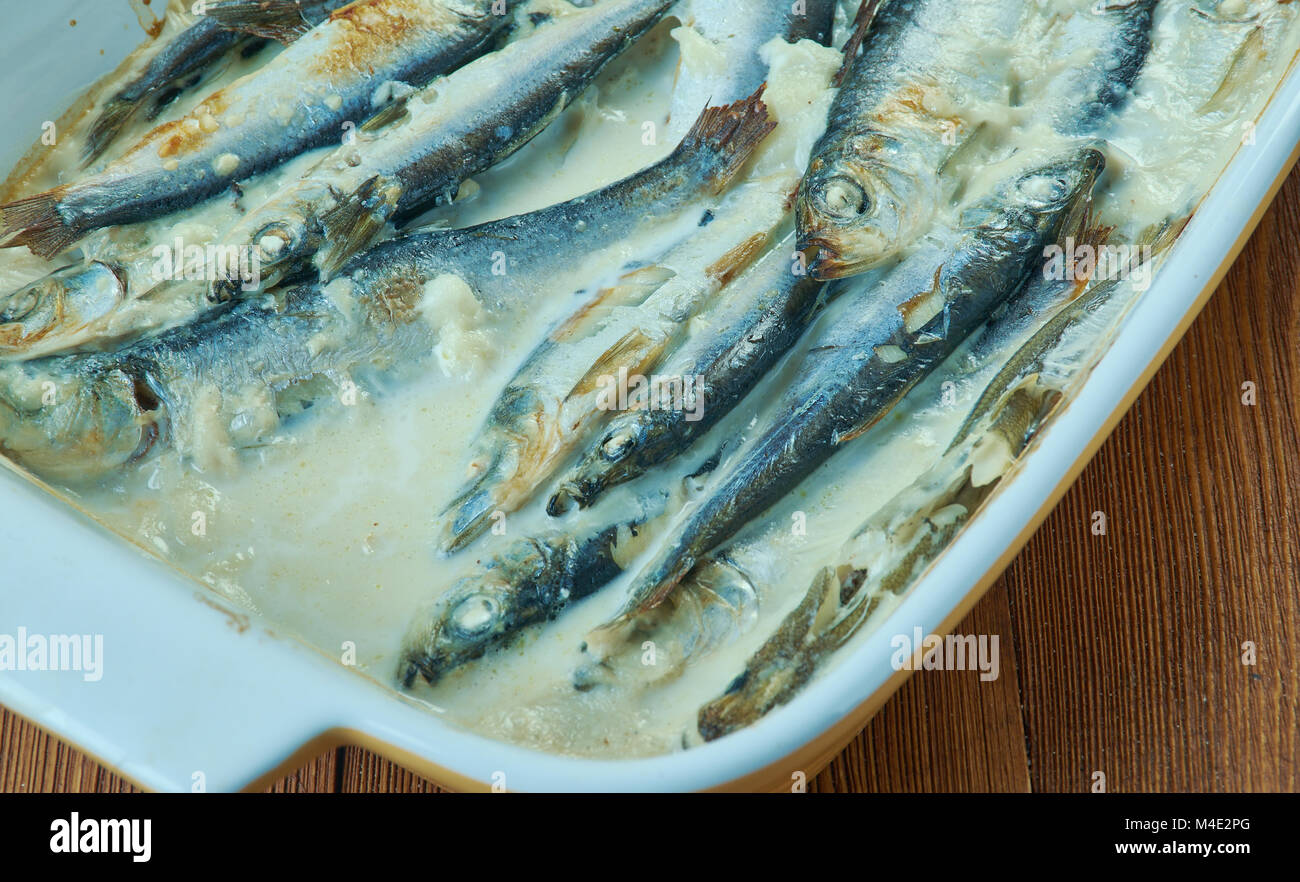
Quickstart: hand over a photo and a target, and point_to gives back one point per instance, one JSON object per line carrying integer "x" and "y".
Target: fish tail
{"x": 112, "y": 119}
{"x": 729, "y": 133}
{"x": 35, "y": 222}
{"x": 352, "y": 224}
{"x": 861, "y": 24}
{"x": 280, "y": 20}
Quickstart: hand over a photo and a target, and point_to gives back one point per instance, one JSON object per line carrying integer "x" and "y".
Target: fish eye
{"x": 1044, "y": 188}
{"x": 474, "y": 615}
{"x": 842, "y": 197}
{"x": 274, "y": 239}
{"x": 617, "y": 446}
{"x": 24, "y": 303}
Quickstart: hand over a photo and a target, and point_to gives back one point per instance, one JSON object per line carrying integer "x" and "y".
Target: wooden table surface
{"x": 1121, "y": 654}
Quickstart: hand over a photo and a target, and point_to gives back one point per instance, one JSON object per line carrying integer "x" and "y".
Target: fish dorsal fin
{"x": 390, "y": 113}
{"x": 354, "y": 222}
{"x": 279, "y": 20}
{"x": 635, "y": 351}
{"x": 861, "y": 24}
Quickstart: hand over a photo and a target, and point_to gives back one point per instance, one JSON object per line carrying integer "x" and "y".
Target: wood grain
{"x": 1120, "y": 654}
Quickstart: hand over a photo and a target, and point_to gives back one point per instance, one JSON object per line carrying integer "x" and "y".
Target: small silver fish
{"x": 873, "y": 185}
{"x": 456, "y": 127}
{"x": 88, "y": 307}
{"x": 533, "y": 580}
{"x": 860, "y": 368}
{"x": 181, "y": 63}
{"x": 297, "y": 101}
{"x": 762, "y": 314}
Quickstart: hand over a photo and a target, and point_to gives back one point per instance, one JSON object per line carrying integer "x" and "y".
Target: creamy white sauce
{"x": 326, "y": 529}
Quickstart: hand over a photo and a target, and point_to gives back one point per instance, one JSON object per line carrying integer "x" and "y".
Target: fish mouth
{"x": 826, "y": 262}
{"x": 842, "y": 251}
{"x": 563, "y": 499}
{"x": 578, "y": 490}
{"x": 462, "y": 627}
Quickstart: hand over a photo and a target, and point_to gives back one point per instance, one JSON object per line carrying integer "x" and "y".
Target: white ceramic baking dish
{"x": 193, "y": 695}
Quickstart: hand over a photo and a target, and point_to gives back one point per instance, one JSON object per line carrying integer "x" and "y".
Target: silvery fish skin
{"x": 210, "y": 387}
{"x": 533, "y": 580}
{"x": 456, "y": 127}
{"x": 893, "y": 335}
{"x": 98, "y": 422}
{"x": 502, "y": 260}
{"x": 872, "y": 185}
{"x": 1084, "y": 96}
{"x": 893, "y": 546}
{"x": 582, "y": 370}
{"x": 81, "y": 305}
{"x": 743, "y": 28}
{"x": 181, "y": 63}
{"x": 299, "y": 100}
{"x": 766, "y": 311}
{"x": 716, "y": 606}
{"x": 61, "y": 308}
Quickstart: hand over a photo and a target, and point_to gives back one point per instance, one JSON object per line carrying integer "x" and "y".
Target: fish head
{"x": 276, "y": 249}
{"x": 471, "y": 616}
{"x": 479, "y": 503}
{"x": 61, "y": 303}
{"x": 66, "y": 419}
{"x": 484, "y": 609}
{"x": 1041, "y": 200}
{"x": 858, "y": 214}
{"x": 620, "y": 454}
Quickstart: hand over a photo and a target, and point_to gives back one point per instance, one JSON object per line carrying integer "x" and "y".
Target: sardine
{"x": 873, "y": 185}
{"x": 299, "y": 100}
{"x": 501, "y": 260}
{"x": 896, "y": 544}
{"x": 1060, "y": 319}
{"x": 764, "y": 313}
{"x": 257, "y": 348}
{"x": 209, "y": 388}
{"x": 63, "y": 307}
{"x": 891, "y": 337}
{"x": 532, "y": 581}
{"x": 718, "y": 605}
{"x": 182, "y": 62}
{"x": 585, "y": 367}
{"x": 456, "y": 127}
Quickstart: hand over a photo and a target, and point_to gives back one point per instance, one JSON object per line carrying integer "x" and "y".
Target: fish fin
{"x": 1245, "y": 62}
{"x": 112, "y": 119}
{"x": 729, "y": 265}
{"x": 634, "y": 351}
{"x": 386, "y": 115}
{"x": 1162, "y": 234}
{"x": 861, "y": 24}
{"x": 35, "y": 222}
{"x": 732, "y": 131}
{"x": 352, "y": 224}
{"x": 918, "y": 310}
{"x": 280, "y": 20}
